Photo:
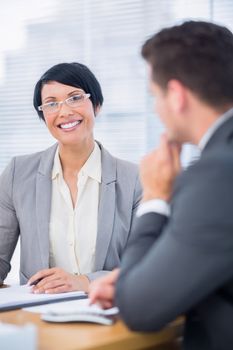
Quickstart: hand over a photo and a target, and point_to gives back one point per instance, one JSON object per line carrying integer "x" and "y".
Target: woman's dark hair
{"x": 73, "y": 74}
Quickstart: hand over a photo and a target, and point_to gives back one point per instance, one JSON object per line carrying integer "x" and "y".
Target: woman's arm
{"x": 9, "y": 226}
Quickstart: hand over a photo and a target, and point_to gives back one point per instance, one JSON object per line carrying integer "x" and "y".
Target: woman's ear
{"x": 97, "y": 110}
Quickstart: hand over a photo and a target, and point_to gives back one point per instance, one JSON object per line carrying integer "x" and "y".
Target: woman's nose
{"x": 65, "y": 109}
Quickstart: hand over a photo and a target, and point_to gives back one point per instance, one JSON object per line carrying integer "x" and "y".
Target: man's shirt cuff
{"x": 154, "y": 206}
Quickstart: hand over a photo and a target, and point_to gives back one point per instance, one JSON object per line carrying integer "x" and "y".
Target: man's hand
{"x": 56, "y": 280}
{"x": 102, "y": 290}
{"x": 159, "y": 169}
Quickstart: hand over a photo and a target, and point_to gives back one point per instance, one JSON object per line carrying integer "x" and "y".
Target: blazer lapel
{"x": 106, "y": 208}
{"x": 43, "y": 202}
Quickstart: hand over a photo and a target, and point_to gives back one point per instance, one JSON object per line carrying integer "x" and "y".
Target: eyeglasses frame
{"x": 60, "y": 103}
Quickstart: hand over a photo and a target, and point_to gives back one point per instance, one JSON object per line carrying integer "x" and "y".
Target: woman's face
{"x": 69, "y": 125}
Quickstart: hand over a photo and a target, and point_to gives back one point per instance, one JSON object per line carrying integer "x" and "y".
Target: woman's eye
{"x": 52, "y": 104}
{"x": 76, "y": 98}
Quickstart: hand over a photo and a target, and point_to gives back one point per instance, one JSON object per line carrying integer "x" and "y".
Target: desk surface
{"x": 80, "y": 336}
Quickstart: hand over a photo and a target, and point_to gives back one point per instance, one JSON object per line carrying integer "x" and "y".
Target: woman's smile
{"x": 70, "y": 125}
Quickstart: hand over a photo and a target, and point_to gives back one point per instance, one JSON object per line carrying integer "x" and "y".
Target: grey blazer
{"x": 184, "y": 264}
{"x": 25, "y": 201}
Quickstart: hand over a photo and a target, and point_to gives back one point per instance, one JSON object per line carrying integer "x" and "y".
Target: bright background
{"x": 106, "y": 35}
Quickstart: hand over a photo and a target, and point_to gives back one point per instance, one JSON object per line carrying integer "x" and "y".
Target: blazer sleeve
{"x": 9, "y": 227}
{"x": 174, "y": 265}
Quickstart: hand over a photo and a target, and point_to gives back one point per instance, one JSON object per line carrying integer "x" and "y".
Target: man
{"x": 181, "y": 261}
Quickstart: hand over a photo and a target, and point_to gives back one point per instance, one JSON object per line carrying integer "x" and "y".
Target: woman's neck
{"x": 74, "y": 157}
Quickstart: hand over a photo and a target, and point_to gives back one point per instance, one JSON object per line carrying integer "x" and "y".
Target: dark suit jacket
{"x": 184, "y": 264}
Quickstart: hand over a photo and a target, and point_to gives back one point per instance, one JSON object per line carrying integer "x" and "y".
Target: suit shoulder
{"x": 219, "y": 161}
{"x": 213, "y": 169}
{"x": 28, "y": 158}
{"x": 24, "y": 165}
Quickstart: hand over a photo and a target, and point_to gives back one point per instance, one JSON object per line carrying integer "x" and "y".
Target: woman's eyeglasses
{"x": 54, "y": 106}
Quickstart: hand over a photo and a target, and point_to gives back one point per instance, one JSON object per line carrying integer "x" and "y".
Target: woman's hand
{"x": 56, "y": 280}
{"x": 102, "y": 290}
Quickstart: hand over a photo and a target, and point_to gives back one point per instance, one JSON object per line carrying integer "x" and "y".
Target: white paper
{"x": 73, "y": 307}
{"x": 76, "y": 311}
{"x": 19, "y": 295}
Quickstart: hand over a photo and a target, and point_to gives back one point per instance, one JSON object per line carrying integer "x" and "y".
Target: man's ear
{"x": 97, "y": 110}
{"x": 177, "y": 93}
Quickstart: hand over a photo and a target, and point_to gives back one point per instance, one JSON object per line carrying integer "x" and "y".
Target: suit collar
{"x": 108, "y": 166}
{"x": 214, "y": 127}
{"x": 46, "y": 162}
{"x": 107, "y": 208}
{"x": 43, "y": 201}
{"x": 222, "y": 135}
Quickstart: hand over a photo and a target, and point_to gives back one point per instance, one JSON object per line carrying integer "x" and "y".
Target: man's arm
{"x": 191, "y": 258}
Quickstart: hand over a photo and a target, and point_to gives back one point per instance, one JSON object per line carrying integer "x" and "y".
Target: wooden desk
{"x": 80, "y": 336}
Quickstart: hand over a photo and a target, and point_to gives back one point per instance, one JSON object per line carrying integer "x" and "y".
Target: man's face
{"x": 168, "y": 108}
{"x": 163, "y": 108}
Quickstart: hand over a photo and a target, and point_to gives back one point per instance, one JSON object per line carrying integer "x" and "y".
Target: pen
{"x": 35, "y": 282}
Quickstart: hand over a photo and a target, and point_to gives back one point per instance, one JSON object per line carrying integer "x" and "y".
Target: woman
{"x": 73, "y": 205}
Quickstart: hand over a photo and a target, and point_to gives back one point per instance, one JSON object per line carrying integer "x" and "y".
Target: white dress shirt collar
{"x": 92, "y": 167}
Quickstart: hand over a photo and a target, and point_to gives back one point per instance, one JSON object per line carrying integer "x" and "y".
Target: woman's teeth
{"x": 70, "y": 125}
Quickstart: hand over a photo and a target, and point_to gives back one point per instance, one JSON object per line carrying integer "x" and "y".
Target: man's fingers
{"x": 175, "y": 151}
{"x": 102, "y": 294}
{"x": 106, "y": 304}
{"x": 103, "y": 289}
{"x": 164, "y": 148}
{"x": 170, "y": 150}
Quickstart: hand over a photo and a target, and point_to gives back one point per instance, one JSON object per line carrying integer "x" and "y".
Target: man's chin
{"x": 173, "y": 137}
